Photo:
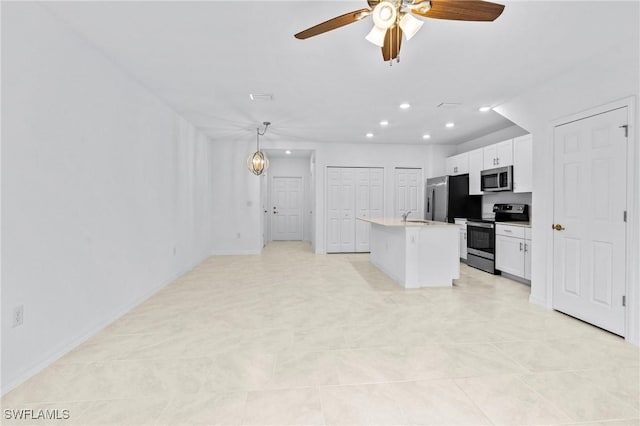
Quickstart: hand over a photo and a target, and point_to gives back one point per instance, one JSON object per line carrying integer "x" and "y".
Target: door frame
{"x": 270, "y": 204}
{"x": 632, "y": 275}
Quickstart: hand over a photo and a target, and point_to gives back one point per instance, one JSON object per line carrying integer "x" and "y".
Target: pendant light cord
{"x": 258, "y": 134}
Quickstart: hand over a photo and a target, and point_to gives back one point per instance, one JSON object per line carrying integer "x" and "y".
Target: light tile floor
{"x": 290, "y": 337}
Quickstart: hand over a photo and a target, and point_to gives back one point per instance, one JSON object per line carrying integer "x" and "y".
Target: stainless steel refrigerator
{"x": 447, "y": 197}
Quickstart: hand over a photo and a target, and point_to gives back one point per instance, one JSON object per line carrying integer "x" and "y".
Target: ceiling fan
{"x": 392, "y": 18}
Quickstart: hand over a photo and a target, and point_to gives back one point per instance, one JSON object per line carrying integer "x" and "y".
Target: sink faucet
{"x": 405, "y": 215}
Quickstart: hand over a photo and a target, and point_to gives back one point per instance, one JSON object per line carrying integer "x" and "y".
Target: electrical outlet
{"x": 18, "y": 316}
{"x": 238, "y": 235}
{"x": 175, "y": 250}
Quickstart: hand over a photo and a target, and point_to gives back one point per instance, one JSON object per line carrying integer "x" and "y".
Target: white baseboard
{"x": 86, "y": 334}
{"x": 234, "y": 252}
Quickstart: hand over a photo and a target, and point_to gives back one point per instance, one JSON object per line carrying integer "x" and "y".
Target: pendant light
{"x": 257, "y": 162}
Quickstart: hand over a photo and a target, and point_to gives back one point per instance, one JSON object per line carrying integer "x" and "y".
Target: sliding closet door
{"x": 352, "y": 193}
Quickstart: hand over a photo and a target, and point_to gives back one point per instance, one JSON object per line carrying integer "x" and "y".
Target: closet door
{"x": 376, "y": 192}
{"x": 408, "y": 192}
{"x": 347, "y": 211}
{"x": 363, "y": 198}
{"x": 334, "y": 187}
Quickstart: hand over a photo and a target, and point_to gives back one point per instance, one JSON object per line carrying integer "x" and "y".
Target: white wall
{"x": 495, "y": 137}
{"x": 237, "y": 204}
{"x": 293, "y": 167}
{"x": 606, "y": 77}
{"x": 101, "y": 183}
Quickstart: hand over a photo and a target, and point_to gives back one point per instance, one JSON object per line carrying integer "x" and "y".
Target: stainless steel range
{"x": 481, "y": 235}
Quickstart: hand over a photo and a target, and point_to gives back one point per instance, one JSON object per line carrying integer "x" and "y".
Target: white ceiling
{"x": 204, "y": 58}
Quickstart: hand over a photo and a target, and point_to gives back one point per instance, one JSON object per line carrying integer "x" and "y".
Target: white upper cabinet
{"x": 498, "y": 155}
{"x": 476, "y": 165}
{"x": 513, "y": 152}
{"x": 458, "y": 164}
{"x": 523, "y": 164}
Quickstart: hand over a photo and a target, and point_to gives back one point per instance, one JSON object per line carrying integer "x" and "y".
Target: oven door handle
{"x": 480, "y": 225}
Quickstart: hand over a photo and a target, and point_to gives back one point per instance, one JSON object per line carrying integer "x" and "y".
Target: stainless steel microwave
{"x": 499, "y": 179}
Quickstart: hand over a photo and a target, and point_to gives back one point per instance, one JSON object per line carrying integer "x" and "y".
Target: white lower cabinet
{"x": 351, "y": 193}
{"x": 513, "y": 250}
{"x": 463, "y": 237}
{"x": 527, "y": 259}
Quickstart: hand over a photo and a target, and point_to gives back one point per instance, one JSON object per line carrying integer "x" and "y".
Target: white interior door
{"x": 369, "y": 203}
{"x": 348, "y": 210}
{"x": 334, "y": 184}
{"x": 287, "y": 205}
{"x": 589, "y": 204}
{"x": 408, "y": 192}
{"x": 376, "y": 192}
{"x": 363, "y": 199}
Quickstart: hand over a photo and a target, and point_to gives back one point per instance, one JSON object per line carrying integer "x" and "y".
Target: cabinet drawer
{"x": 510, "y": 231}
{"x": 462, "y": 222}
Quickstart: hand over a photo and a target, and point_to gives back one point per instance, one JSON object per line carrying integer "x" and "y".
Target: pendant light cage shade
{"x": 257, "y": 163}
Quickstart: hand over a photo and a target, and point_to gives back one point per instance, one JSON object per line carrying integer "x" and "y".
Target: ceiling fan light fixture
{"x": 410, "y": 25}
{"x": 384, "y": 15}
{"x": 376, "y": 36}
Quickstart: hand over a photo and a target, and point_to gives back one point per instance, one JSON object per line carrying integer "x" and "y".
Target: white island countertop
{"x": 394, "y": 221}
{"x": 416, "y": 253}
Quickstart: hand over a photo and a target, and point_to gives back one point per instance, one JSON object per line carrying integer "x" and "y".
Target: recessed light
{"x": 287, "y": 152}
{"x": 261, "y": 96}
{"x": 384, "y": 123}
{"x": 450, "y": 125}
{"x": 405, "y": 105}
{"x": 426, "y": 136}
{"x": 369, "y": 135}
{"x": 484, "y": 109}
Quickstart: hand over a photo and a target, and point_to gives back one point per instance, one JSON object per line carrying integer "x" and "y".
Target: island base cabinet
{"x": 417, "y": 256}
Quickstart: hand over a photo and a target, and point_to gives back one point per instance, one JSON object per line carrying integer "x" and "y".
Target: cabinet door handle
{"x": 507, "y": 230}
{"x": 526, "y": 249}
{"x": 520, "y": 246}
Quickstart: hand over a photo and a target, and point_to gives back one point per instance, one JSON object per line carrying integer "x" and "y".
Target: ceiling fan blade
{"x": 332, "y": 24}
{"x": 392, "y": 43}
{"x": 462, "y": 10}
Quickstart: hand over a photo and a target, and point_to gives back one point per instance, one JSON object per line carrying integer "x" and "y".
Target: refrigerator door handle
{"x": 433, "y": 202}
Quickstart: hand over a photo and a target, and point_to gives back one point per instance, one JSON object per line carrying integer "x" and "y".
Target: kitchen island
{"x": 416, "y": 253}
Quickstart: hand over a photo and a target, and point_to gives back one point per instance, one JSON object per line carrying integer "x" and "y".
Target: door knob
{"x": 557, "y": 227}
